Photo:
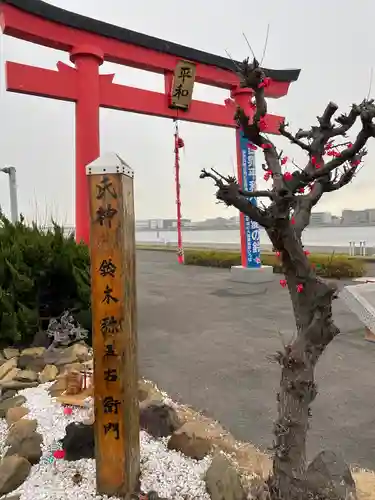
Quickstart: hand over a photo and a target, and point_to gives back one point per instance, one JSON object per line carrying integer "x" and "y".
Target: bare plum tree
{"x": 291, "y": 198}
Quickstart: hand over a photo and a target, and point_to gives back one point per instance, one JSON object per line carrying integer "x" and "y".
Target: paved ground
{"x": 205, "y": 340}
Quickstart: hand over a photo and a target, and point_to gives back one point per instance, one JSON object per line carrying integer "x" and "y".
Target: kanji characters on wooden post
{"x": 113, "y": 292}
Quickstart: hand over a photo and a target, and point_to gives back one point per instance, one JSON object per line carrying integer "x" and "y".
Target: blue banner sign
{"x": 252, "y": 241}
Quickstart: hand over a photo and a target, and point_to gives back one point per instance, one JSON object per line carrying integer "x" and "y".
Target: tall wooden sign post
{"x": 113, "y": 292}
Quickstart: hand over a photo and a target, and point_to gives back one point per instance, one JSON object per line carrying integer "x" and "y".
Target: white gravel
{"x": 169, "y": 473}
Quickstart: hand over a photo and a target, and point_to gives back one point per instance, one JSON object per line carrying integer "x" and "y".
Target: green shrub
{"x": 212, "y": 258}
{"x": 41, "y": 275}
{"x": 328, "y": 266}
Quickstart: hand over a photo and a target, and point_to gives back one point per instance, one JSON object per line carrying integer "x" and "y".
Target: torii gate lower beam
{"x": 89, "y": 43}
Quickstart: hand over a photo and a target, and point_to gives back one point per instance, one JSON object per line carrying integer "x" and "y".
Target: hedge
{"x": 328, "y": 266}
{"x": 42, "y": 274}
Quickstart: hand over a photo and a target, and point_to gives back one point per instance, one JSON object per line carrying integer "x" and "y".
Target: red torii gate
{"x": 90, "y": 42}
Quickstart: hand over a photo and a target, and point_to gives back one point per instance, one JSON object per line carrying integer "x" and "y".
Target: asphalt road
{"x": 205, "y": 340}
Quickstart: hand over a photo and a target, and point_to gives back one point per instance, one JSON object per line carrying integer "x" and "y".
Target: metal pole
{"x": 11, "y": 171}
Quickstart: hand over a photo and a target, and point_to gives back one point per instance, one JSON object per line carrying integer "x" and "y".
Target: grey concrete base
{"x": 250, "y": 275}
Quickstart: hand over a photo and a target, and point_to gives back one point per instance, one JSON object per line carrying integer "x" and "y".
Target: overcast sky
{"x": 333, "y": 42}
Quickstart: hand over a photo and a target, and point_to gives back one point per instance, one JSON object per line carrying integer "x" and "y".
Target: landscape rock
{"x": 192, "y": 439}
{"x": 11, "y": 352}
{"x": 66, "y": 355}
{"x": 31, "y": 362}
{"x": 7, "y": 367}
{"x": 13, "y": 415}
{"x": 10, "y": 403}
{"x": 41, "y": 339}
{"x": 29, "y": 448}
{"x": 26, "y": 376}
{"x": 21, "y": 430}
{"x": 146, "y": 390}
{"x": 58, "y": 387}
{"x": 158, "y": 419}
{"x": 328, "y": 476}
{"x": 78, "y": 441}
{"x": 7, "y": 393}
{"x": 13, "y": 472}
{"x": 48, "y": 374}
{"x": 11, "y": 375}
{"x": 33, "y": 351}
{"x": 17, "y": 385}
{"x": 223, "y": 481}
{"x": 80, "y": 351}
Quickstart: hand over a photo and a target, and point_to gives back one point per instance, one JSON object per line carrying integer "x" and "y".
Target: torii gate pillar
{"x": 87, "y": 61}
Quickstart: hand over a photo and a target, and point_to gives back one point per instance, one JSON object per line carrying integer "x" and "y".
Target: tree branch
{"x": 304, "y": 206}
{"x": 304, "y": 134}
{"x": 322, "y": 176}
{"x": 217, "y": 177}
{"x": 346, "y": 121}
{"x": 325, "y": 119}
{"x": 257, "y": 194}
{"x": 345, "y": 178}
{"x": 253, "y": 133}
{"x": 351, "y": 154}
{"x": 349, "y": 171}
{"x": 293, "y": 139}
{"x": 316, "y": 168}
{"x": 232, "y": 195}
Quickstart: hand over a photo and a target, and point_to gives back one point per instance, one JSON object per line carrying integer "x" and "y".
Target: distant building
{"x": 160, "y": 224}
{"x": 320, "y": 218}
{"x": 218, "y": 223}
{"x": 142, "y": 224}
{"x": 371, "y": 215}
{"x": 358, "y": 217}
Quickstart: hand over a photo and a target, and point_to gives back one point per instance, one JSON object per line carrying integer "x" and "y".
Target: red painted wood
{"x": 57, "y": 36}
{"x": 89, "y": 90}
{"x": 25, "y": 79}
{"x": 62, "y": 85}
{"x": 180, "y": 255}
{"x": 87, "y": 130}
{"x": 116, "y": 96}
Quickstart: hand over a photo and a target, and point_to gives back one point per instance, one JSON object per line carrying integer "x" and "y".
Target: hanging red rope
{"x": 178, "y": 144}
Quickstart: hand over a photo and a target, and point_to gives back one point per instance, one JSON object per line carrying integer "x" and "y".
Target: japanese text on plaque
{"x": 183, "y": 85}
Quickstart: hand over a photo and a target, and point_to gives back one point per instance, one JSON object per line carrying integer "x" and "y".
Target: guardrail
{"x": 362, "y": 249}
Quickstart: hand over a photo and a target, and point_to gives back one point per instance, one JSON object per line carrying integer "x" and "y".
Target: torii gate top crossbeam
{"x": 123, "y": 46}
{"x": 89, "y": 42}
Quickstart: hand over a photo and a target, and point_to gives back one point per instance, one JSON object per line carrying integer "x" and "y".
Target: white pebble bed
{"x": 169, "y": 473}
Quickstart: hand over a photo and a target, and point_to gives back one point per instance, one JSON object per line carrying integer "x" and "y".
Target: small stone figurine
{"x": 64, "y": 332}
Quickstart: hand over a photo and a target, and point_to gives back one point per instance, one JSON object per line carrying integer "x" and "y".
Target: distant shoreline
{"x": 321, "y": 249}
{"x": 234, "y": 228}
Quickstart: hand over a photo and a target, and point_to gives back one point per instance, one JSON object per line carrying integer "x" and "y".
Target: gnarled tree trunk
{"x": 312, "y": 305}
{"x": 292, "y": 197}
